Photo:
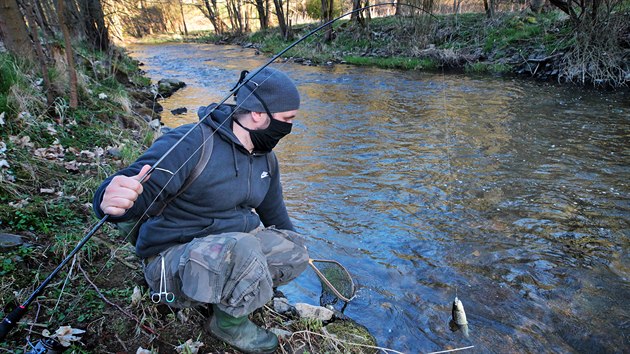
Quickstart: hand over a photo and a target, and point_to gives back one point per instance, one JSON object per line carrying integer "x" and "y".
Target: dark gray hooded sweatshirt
{"x": 235, "y": 192}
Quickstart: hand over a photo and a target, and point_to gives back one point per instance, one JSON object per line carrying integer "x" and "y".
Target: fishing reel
{"x": 47, "y": 346}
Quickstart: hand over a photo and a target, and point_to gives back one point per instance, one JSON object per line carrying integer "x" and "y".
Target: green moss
{"x": 351, "y": 332}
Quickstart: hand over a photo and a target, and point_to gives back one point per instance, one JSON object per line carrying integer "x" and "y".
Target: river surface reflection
{"x": 514, "y": 195}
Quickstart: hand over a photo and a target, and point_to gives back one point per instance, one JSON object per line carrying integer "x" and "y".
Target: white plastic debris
{"x": 102, "y": 96}
{"x": 2, "y": 118}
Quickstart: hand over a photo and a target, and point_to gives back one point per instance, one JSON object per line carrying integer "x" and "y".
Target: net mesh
{"x": 334, "y": 278}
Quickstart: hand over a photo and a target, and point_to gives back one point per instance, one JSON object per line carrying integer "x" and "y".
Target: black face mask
{"x": 265, "y": 140}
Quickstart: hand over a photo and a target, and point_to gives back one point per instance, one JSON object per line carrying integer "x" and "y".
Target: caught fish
{"x": 459, "y": 317}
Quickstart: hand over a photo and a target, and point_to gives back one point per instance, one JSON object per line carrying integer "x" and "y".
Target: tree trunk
{"x": 327, "y": 11}
{"x": 41, "y": 57}
{"x": 43, "y": 20}
{"x": 262, "y": 14}
{"x": 74, "y": 99}
{"x": 231, "y": 14}
{"x": 212, "y": 13}
{"x": 14, "y": 31}
{"x": 238, "y": 10}
{"x": 74, "y": 22}
{"x": 488, "y": 5}
{"x": 181, "y": 9}
{"x": 287, "y": 34}
{"x": 280, "y": 15}
{"x": 94, "y": 24}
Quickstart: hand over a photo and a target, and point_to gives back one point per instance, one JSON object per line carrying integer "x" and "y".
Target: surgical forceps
{"x": 168, "y": 296}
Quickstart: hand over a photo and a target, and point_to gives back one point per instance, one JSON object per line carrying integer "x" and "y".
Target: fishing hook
{"x": 11, "y": 320}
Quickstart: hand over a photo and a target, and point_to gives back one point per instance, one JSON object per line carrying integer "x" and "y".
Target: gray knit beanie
{"x": 274, "y": 87}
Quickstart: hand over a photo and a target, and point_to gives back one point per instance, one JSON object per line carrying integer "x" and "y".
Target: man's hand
{"x": 122, "y": 192}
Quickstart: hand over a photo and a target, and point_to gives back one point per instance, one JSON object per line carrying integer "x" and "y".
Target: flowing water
{"x": 511, "y": 194}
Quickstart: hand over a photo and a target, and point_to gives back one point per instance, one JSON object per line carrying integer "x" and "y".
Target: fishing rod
{"x": 11, "y": 320}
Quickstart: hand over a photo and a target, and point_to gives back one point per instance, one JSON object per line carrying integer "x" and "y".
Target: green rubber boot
{"x": 241, "y": 333}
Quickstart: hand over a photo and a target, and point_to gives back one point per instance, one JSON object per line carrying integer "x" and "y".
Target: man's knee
{"x": 286, "y": 255}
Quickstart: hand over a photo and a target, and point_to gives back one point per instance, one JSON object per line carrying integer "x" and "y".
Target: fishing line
{"x": 10, "y": 320}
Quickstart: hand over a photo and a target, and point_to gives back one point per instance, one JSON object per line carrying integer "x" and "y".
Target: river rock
{"x": 114, "y": 152}
{"x": 180, "y": 110}
{"x": 314, "y": 312}
{"x": 281, "y": 305}
{"x": 9, "y": 241}
{"x": 281, "y": 333}
{"x": 166, "y": 87}
{"x": 155, "y": 124}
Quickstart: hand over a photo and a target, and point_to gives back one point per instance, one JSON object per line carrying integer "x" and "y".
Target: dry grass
{"x": 596, "y": 58}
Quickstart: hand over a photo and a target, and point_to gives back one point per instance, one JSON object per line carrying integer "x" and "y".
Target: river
{"x": 512, "y": 194}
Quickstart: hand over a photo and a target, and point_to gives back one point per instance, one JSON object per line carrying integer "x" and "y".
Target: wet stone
{"x": 314, "y": 312}
{"x": 180, "y": 110}
{"x": 9, "y": 241}
{"x": 281, "y": 305}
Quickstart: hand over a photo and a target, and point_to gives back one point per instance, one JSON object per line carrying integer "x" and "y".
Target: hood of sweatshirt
{"x": 220, "y": 120}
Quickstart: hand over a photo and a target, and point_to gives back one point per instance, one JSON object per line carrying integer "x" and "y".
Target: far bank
{"x": 546, "y": 46}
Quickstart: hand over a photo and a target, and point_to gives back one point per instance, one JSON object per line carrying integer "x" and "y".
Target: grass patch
{"x": 54, "y": 158}
{"x": 393, "y": 63}
{"x": 485, "y": 67}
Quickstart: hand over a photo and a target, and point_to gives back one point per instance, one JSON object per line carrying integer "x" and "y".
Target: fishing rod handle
{"x": 11, "y": 320}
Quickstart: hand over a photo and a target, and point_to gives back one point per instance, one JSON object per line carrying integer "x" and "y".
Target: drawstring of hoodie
{"x": 268, "y": 165}
{"x": 234, "y": 158}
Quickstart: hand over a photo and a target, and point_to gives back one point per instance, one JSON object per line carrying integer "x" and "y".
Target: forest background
{"x": 74, "y": 108}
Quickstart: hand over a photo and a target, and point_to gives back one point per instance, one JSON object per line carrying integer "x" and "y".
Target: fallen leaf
{"x": 64, "y": 335}
{"x": 24, "y": 141}
{"x": 143, "y": 351}
{"x": 476, "y": 253}
{"x": 189, "y": 346}
{"x": 99, "y": 151}
{"x": 25, "y": 116}
{"x": 136, "y": 297}
{"x": 87, "y": 154}
{"x": 71, "y": 166}
{"x": 51, "y": 129}
{"x": 19, "y": 205}
{"x": 4, "y": 163}
{"x": 2, "y": 118}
